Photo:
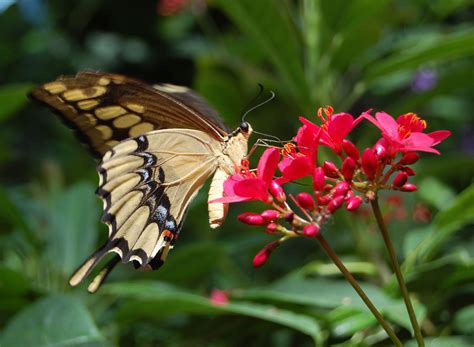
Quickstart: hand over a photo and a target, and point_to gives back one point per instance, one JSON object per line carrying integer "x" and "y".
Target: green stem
{"x": 398, "y": 272}
{"x": 330, "y": 252}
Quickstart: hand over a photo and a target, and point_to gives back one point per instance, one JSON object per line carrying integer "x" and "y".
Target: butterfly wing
{"x": 105, "y": 109}
{"x": 146, "y": 184}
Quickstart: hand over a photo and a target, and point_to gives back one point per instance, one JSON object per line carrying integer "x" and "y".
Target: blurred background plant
{"x": 398, "y": 56}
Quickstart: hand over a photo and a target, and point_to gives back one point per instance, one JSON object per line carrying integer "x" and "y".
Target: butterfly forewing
{"x": 105, "y": 109}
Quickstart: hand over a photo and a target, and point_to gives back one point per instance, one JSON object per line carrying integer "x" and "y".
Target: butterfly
{"x": 157, "y": 145}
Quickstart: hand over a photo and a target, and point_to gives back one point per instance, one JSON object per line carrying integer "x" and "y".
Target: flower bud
{"x": 408, "y": 170}
{"x": 319, "y": 179}
{"x": 380, "y": 149}
{"x": 335, "y": 203}
{"x": 369, "y": 163}
{"x": 311, "y": 230}
{"x": 330, "y": 169}
{"x": 325, "y": 199}
{"x": 408, "y": 187}
{"x": 251, "y": 218}
{"x": 270, "y": 215}
{"x": 277, "y": 191}
{"x": 349, "y": 195}
{"x": 262, "y": 256}
{"x": 306, "y": 201}
{"x": 271, "y": 227}
{"x": 400, "y": 179}
{"x": 350, "y": 149}
{"x": 353, "y": 203}
{"x": 409, "y": 158}
{"x": 348, "y": 168}
{"x": 341, "y": 188}
{"x": 289, "y": 217}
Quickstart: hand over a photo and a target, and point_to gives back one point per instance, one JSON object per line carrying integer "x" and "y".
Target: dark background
{"x": 397, "y": 56}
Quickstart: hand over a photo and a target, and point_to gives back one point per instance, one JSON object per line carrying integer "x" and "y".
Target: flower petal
{"x": 387, "y": 124}
{"x": 267, "y": 164}
{"x": 439, "y": 136}
{"x": 252, "y": 188}
{"x": 294, "y": 168}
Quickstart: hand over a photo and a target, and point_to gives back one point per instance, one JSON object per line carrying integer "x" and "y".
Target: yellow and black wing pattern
{"x": 105, "y": 108}
{"x": 146, "y": 184}
{"x": 157, "y": 145}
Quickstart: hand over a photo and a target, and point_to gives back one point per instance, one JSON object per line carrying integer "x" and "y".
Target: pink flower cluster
{"x": 353, "y": 177}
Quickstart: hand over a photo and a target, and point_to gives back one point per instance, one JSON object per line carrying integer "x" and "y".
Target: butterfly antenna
{"x": 272, "y": 96}
{"x": 255, "y": 98}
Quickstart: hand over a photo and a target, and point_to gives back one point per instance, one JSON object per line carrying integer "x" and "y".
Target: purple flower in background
{"x": 424, "y": 80}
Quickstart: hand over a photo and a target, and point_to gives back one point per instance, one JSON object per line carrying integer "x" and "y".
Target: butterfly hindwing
{"x": 146, "y": 184}
{"x": 105, "y": 109}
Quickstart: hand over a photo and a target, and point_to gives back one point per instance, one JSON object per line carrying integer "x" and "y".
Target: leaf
{"x": 331, "y": 294}
{"x": 9, "y": 212}
{"x": 445, "y": 341}
{"x": 435, "y": 192}
{"x": 464, "y": 320}
{"x": 268, "y": 23}
{"x": 442, "y": 48}
{"x": 13, "y": 98}
{"x": 55, "y": 321}
{"x": 73, "y": 231}
{"x": 155, "y": 299}
{"x": 193, "y": 261}
{"x": 458, "y": 214}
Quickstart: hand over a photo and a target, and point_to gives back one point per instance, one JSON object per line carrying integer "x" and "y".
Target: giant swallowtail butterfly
{"x": 157, "y": 146}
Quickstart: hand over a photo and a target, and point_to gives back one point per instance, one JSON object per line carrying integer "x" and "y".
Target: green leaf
{"x": 10, "y": 213}
{"x": 155, "y": 299}
{"x": 435, "y": 192}
{"x": 458, "y": 214}
{"x": 327, "y": 293}
{"x": 442, "y": 48}
{"x": 13, "y": 98}
{"x": 268, "y": 23}
{"x": 445, "y": 341}
{"x": 464, "y": 320}
{"x": 55, "y": 321}
{"x": 73, "y": 230}
{"x": 193, "y": 261}
{"x": 345, "y": 322}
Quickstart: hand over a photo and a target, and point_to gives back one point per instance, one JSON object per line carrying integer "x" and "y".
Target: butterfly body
{"x": 158, "y": 145}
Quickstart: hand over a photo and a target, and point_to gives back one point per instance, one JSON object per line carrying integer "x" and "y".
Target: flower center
{"x": 409, "y": 123}
{"x": 326, "y": 117}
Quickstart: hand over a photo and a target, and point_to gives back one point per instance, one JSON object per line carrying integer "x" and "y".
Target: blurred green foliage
{"x": 353, "y": 55}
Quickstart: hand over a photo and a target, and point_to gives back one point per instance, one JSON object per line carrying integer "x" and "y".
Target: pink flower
{"x": 335, "y": 127}
{"x": 406, "y": 133}
{"x": 302, "y": 162}
{"x": 219, "y": 297}
{"x": 245, "y": 187}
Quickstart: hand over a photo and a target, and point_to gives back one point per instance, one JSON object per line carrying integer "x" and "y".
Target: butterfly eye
{"x": 244, "y": 127}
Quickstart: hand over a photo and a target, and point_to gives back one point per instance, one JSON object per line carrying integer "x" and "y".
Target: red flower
{"x": 335, "y": 127}
{"x": 246, "y": 187}
{"x": 406, "y": 133}
{"x": 301, "y": 163}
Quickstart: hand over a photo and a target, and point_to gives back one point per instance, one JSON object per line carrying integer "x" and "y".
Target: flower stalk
{"x": 348, "y": 276}
{"x": 398, "y": 272}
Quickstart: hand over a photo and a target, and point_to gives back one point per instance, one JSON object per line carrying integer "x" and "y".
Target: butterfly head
{"x": 245, "y": 129}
